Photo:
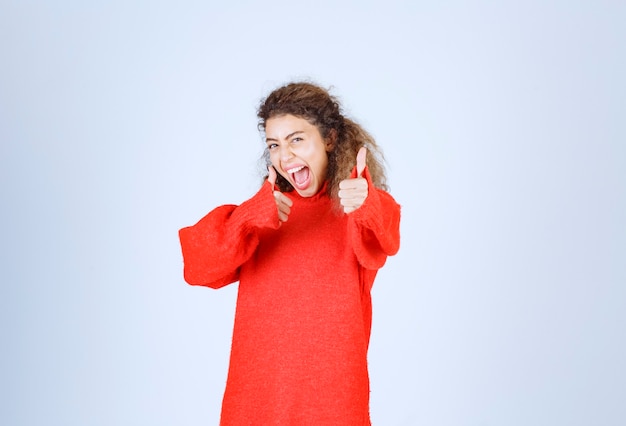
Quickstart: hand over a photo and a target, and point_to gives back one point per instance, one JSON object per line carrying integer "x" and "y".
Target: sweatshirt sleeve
{"x": 374, "y": 227}
{"x": 214, "y": 248}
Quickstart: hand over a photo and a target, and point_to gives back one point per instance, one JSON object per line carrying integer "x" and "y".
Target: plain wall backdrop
{"x": 504, "y": 128}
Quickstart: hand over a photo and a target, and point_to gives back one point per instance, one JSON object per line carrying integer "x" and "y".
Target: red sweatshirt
{"x": 303, "y": 316}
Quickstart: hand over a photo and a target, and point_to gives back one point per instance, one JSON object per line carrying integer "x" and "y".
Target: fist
{"x": 283, "y": 203}
{"x": 353, "y": 192}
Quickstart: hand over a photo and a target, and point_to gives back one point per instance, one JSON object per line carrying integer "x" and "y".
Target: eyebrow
{"x": 290, "y": 135}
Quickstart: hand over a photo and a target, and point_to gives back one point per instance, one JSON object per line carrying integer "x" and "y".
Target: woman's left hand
{"x": 353, "y": 192}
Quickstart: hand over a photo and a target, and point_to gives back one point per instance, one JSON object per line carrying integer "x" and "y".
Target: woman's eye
{"x": 296, "y": 139}
{"x": 271, "y": 146}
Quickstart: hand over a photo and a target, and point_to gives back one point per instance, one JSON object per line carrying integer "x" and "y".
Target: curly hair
{"x": 316, "y": 105}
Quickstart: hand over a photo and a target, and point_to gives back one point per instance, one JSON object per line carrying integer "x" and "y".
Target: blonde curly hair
{"x": 316, "y": 105}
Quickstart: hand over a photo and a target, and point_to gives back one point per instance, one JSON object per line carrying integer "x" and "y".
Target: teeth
{"x": 295, "y": 169}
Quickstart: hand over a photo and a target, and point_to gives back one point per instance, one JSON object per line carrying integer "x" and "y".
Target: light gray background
{"x": 503, "y": 124}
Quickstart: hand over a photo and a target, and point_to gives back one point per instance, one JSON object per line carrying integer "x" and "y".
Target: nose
{"x": 285, "y": 152}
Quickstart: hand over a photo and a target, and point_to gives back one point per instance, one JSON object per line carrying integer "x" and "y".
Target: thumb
{"x": 361, "y": 161}
{"x": 271, "y": 176}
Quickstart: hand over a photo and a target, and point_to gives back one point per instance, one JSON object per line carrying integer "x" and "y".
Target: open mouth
{"x": 300, "y": 177}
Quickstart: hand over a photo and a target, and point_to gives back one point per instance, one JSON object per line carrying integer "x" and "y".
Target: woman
{"x": 305, "y": 249}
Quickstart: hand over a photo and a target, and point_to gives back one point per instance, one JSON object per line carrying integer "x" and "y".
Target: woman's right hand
{"x": 283, "y": 203}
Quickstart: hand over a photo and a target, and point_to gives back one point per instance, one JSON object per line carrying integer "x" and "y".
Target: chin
{"x": 309, "y": 192}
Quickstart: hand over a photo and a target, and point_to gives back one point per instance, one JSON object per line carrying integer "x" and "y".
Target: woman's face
{"x": 298, "y": 152}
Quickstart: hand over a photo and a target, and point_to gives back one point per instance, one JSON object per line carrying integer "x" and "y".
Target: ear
{"x": 331, "y": 139}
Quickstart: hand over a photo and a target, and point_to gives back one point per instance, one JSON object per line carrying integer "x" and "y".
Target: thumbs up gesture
{"x": 353, "y": 192}
{"x": 283, "y": 203}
